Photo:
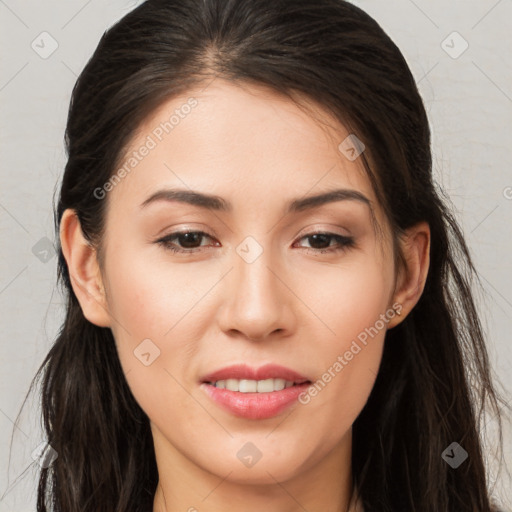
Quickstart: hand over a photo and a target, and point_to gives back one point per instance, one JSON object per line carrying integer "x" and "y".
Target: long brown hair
{"x": 434, "y": 382}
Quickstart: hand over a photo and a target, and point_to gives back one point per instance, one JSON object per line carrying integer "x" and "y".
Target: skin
{"x": 209, "y": 309}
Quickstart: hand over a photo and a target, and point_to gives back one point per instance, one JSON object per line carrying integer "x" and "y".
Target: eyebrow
{"x": 217, "y": 203}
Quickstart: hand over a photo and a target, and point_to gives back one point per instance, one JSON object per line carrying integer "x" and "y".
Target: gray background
{"x": 468, "y": 95}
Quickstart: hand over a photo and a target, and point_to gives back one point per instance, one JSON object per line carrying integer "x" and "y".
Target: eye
{"x": 190, "y": 242}
{"x": 187, "y": 239}
{"x": 324, "y": 239}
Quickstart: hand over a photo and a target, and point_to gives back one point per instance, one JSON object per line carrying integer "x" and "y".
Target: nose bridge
{"x": 258, "y": 302}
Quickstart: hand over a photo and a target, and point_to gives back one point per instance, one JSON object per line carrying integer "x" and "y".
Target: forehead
{"x": 244, "y": 141}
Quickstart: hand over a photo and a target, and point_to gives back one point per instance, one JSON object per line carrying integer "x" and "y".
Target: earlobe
{"x": 84, "y": 271}
{"x": 412, "y": 278}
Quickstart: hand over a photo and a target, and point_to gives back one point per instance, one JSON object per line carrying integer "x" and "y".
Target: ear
{"x": 411, "y": 279}
{"x": 84, "y": 270}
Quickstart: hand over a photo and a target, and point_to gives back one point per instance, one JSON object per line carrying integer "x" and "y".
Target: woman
{"x": 269, "y": 304}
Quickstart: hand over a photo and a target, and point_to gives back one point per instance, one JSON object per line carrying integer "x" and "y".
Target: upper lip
{"x": 243, "y": 371}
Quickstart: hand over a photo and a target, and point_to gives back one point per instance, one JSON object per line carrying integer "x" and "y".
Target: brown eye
{"x": 324, "y": 239}
{"x": 187, "y": 241}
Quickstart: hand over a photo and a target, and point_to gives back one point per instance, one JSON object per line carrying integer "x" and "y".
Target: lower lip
{"x": 255, "y": 406}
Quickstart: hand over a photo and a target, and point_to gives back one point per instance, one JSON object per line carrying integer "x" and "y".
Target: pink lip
{"x": 242, "y": 371}
{"x": 255, "y": 406}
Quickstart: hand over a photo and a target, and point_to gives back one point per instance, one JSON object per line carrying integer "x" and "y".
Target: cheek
{"x": 353, "y": 305}
{"x": 348, "y": 297}
{"x": 157, "y": 321}
{"x": 150, "y": 343}
{"x": 147, "y": 298}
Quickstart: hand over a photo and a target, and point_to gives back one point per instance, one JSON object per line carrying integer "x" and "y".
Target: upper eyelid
{"x": 309, "y": 231}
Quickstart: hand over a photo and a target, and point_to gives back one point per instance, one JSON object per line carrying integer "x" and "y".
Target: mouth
{"x": 254, "y": 393}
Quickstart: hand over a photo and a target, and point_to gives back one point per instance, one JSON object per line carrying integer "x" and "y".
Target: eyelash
{"x": 344, "y": 242}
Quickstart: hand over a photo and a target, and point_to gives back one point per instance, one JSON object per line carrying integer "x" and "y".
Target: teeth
{"x": 253, "y": 386}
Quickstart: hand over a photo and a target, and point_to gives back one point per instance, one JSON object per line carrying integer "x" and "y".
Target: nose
{"x": 258, "y": 302}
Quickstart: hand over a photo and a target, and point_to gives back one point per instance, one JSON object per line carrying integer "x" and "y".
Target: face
{"x": 264, "y": 280}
